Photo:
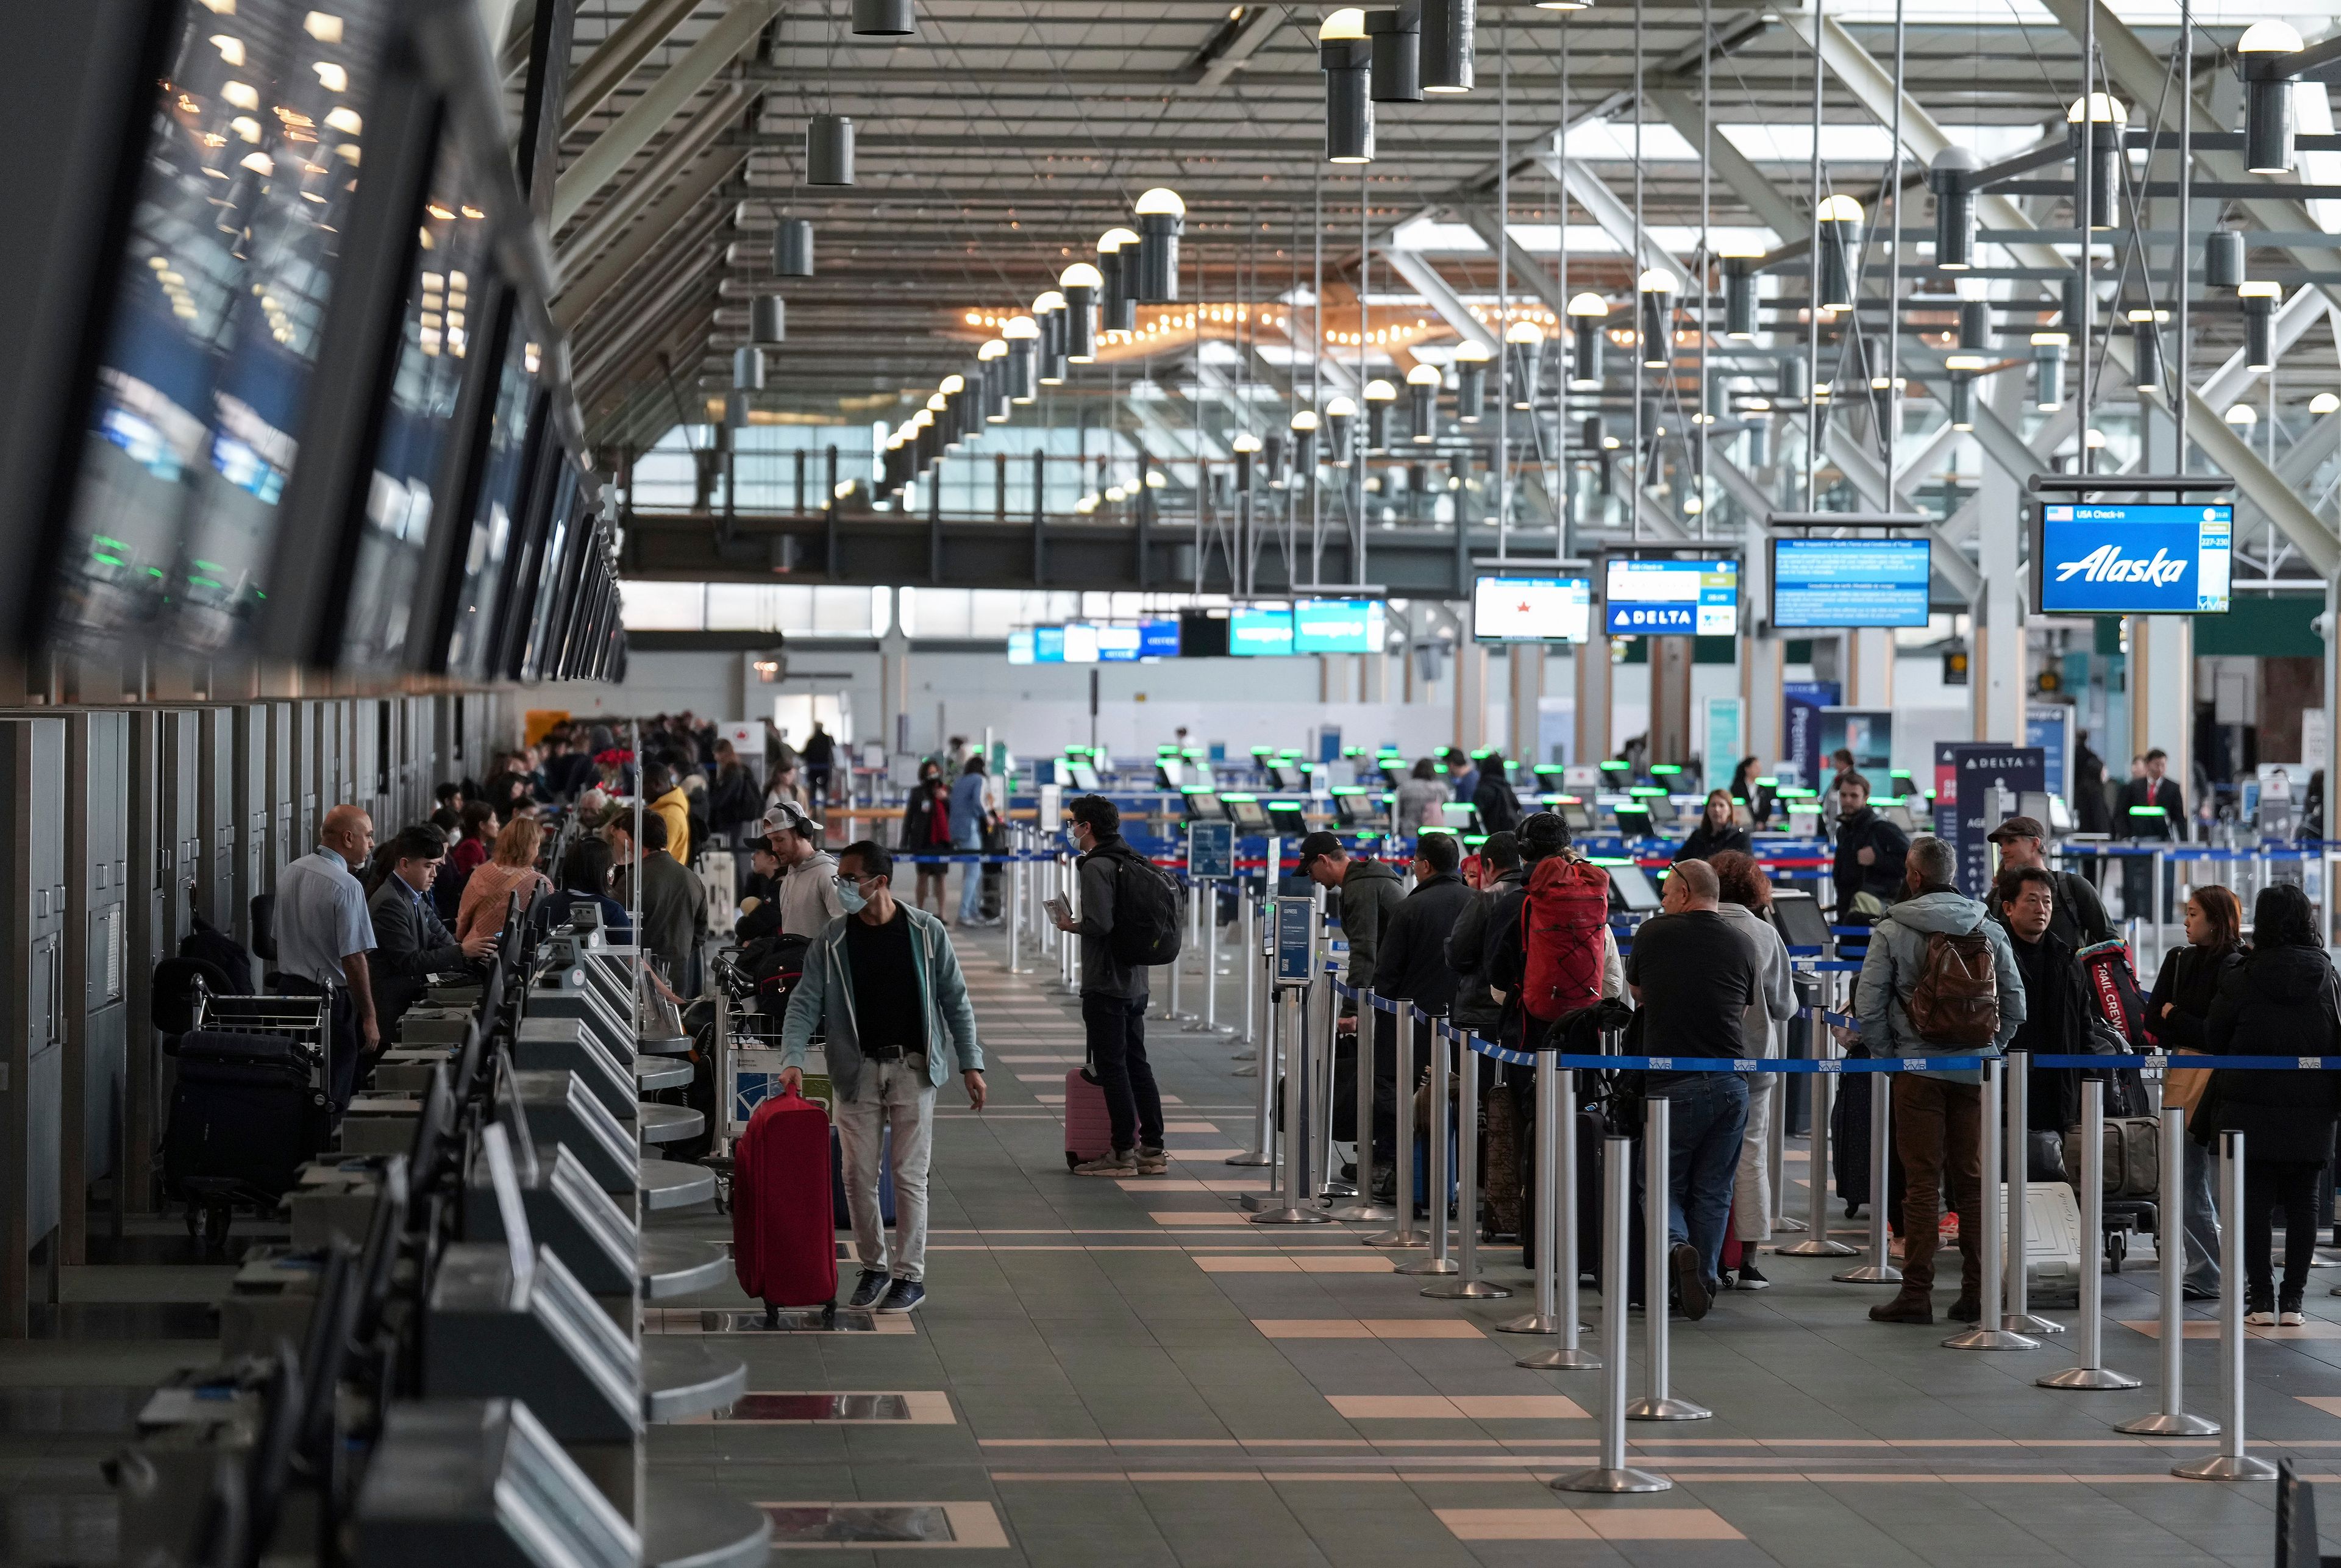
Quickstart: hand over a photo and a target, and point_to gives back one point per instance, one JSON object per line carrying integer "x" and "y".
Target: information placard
{"x": 1211, "y": 851}
{"x": 1296, "y": 920}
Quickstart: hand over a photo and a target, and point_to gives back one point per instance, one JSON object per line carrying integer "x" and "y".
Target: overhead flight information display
{"x": 1532, "y": 609}
{"x": 1823, "y": 583}
{"x": 2133, "y": 560}
{"x": 1254, "y": 631}
{"x": 1664, "y": 598}
{"x": 1337, "y": 626}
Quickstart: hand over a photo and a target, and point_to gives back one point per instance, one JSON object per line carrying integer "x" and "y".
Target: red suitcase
{"x": 1088, "y": 1131}
{"x": 783, "y": 1246}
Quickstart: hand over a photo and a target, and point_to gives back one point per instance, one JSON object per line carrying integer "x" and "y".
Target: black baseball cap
{"x": 1320, "y": 843}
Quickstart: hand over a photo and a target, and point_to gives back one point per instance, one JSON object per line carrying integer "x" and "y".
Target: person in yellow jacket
{"x": 663, "y": 795}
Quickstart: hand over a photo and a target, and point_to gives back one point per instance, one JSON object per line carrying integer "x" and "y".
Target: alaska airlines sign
{"x": 2133, "y": 560}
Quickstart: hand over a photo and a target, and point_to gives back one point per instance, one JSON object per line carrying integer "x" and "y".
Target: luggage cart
{"x": 306, "y": 1021}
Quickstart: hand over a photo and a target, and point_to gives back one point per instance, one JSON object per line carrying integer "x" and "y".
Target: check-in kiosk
{"x": 1632, "y": 891}
{"x": 1288, "y": 816}
{"x": 1200, "y": 804}
{"x": 1247, "y": 813}
{"x": 1633, "y": 819}
{"x": 1357, "y": 806}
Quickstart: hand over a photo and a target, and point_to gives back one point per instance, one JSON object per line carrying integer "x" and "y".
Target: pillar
{"x": 1593, "y": 677}
{"x": 1760, "y": 656}
{"x": 2162, "y": 696}
{"x": 1996, "y": 667}
{"x": 1526, "y": 745}
{"x": 1671, "y": 660}
{"x": 894, "y": 680}
{"x": 1470, "y": 695}
{"x": 1869, "y": 669}
{"x": 1374, "y": 671}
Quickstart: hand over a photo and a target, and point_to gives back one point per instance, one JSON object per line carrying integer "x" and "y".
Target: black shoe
{"x": 869, "y": 1288}
{"x": 903, "y": 1295}
{"x": 2198, "y": 1294}
{"x": 1966, "y": 1309}
{"x": 1385, "y": 1185}
{"x": 1690, "y": 1280}
{"x": 1749, "y": 1280}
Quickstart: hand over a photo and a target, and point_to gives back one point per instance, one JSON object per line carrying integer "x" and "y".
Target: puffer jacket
{"x": 1897, "y": 955}
{"x": 2278, "y": 1002}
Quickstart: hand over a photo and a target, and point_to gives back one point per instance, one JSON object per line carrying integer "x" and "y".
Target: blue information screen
{"x": 1020, "y": 646}
{"x": 1256, "y": 632}
{"x": 1296, "y": 920}
{"x": 1048, "y": 644}
{"x": 1849, "y": 582}
{"x": 1337, "y": 626}
{"x": 2142, "y": 560}
{"x": 1118, "y": 643}
{"x": 1210, "y": 850}
{"x": 1158, "y": 639}
{"x": 1672, "y": 599}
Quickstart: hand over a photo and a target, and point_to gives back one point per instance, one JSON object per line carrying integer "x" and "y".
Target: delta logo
{"x": 2105, "y": 564}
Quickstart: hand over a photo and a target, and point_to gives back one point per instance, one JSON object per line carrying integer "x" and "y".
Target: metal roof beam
{"x": 580, "y": 295}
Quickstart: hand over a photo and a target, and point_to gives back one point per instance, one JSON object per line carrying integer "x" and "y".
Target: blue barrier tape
{"x": 1835, "y": 966}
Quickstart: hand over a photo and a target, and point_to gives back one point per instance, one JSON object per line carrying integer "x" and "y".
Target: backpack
{"x": 2113, "y": 986}
{"x": 1561, "y": 924}
{"x": 1957, "y": 999}
{"x": 776, "y": 964}
{"x": 1149, "y": 917}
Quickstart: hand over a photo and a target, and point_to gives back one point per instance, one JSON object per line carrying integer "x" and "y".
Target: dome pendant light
{"x": 1657, "y": 288}
{"x": 1954, "y": 208}
{"x": 1049, "y": 310}
{"x": 1022, "y": 335}
{"x": 1422, "y": 392}
{"x": 1740, "y": 297}
{"x": 1447, "y": 54}
{"x": 1379, "y": 396}
{"x": 1340, "y": 424}
{"x": 1117, "y": 262}
{"x": 2223, "y": 259}
{"x": 1589, "y": 314}
{"x": 1523, "y": 349}
{"x": 2101, "y": 145}
{"x": 1345, "y": 56}
{"x": 1397, "y": 38}
{"x": 2260, "y": 301}
{"x": 1470, "y": 382}
{"x": 1161, "y": 216}
{"x": 992, "y": 359}
{"x": 828, "y": 150}
{"x": 1081, "y": 282}
{"x": 768, "y": 319}
{"x": 1244, "y": 445}
{"x": 2145, "y": 349}
{"x": 1304, "y": 445}
{"x": 950, "y": 417}
{"x": 2266, "y": 52}
{"x": 792, "y": 248}
{"x": 1840, "y": 226}
{"x": 885, "y": 19}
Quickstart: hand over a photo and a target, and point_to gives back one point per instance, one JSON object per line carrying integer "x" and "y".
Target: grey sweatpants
{"x": 893, "y": 1096}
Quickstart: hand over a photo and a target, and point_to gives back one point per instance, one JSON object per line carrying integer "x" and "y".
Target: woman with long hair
{"x": 2175, "y": 1014}
{"x": 2282, "y": 999}
{"x": 1717, "y": 833}
{"x": 1419, "y": 799}
{"x": 514, "y": 870}
{"x": 926, "y": 831}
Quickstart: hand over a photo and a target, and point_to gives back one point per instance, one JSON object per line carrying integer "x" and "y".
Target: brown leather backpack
{"x": 1957, "y": 999}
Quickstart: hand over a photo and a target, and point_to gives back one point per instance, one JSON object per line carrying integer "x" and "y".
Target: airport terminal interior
{"x": 1183, "y": 785}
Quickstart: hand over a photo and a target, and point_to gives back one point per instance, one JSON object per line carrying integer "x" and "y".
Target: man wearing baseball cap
{"x": 808, "y": 892}
{"x": 2079, "y": 916}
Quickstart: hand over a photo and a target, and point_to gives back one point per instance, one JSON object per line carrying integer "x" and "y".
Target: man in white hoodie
{"x": 808, "y": 892}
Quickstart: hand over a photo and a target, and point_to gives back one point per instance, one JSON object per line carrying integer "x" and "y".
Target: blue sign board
{"x": 1296, "y": 921}
{"x": 1672, "y": 599}
{"x": 1048, "y": 644}
{"x": 2161, "y": 559}
{"x": 1020, "y": 646}
{"x": 1211, "y": 851}
{"x": 1158, "y": 639}
{"x": 1801, "y": 703}
{"x": 2049, "y": 726}
{"x": 1983, "y": 771}
{"x": 1819, "y": 583}
{"x": 1118, "y": 643}
{"x": 1259, "y": 631}
{"x": 1337, "y": 626}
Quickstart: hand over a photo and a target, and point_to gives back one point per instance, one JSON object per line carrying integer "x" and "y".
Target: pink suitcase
{"x": 1088, "y": 1131}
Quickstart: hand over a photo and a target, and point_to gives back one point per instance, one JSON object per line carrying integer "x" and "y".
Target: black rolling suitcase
{"x": 992, "y": 900}
{"x": 244, "y": 1118}
{"x": 1849, "y": 1138}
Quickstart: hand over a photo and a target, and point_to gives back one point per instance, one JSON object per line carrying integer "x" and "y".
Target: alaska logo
{"x": 2105, "y": 564}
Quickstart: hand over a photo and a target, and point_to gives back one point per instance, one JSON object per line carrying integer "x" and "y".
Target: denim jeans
{"x": 2202, "y": 1227}
{"x": 971, "y": 891}
{"x": 1704, "y": 1129}
{"x": 1116, "y": 1027}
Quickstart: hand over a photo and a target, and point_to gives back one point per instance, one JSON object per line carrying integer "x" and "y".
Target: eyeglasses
{"x": 841, "y": 880}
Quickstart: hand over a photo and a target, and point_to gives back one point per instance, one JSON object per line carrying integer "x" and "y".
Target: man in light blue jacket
{"x": 1937, "y": 1116}
{"x": 883, "y": 987}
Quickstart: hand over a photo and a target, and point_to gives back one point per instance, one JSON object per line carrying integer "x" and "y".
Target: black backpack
{"x": 1149, "y": 911}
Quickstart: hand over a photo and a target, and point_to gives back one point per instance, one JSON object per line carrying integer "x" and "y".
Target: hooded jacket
{"x": 824, "y": 998}
{"x": 1370, "y": 894}
{"x": 1897, "y": 955}
{"x": 1865, "y": 829}
{"x": 808, "y": 896}
{"x": 2278, "y": 1002}
{"x": 1412, "y": 959}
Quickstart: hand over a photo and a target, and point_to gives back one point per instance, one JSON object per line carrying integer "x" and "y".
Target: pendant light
{"x": 1422, "y": 394}
{"x": 1117, "y": 262}
{"x": 792, "y": 248}
{"x": 768, "y": 319}
{"x": 2266, "y": 52}
{"x": 1656, "y": 288}
{"x": 1523, "y": 348}
{"x": 2324, "y": 402}
{"x": 2049, "y": 368}
{"x": 1049, "y": 310}
{"x": 1081, "y": 282}
{"x": 1963, "y": 368}
{"x": 1379, "y": 394}
{"x": 828, "y": 150}
{"x": 1974, "y": 324}
{"x": 2100, "y": 143}
{"x": 1161, "y": 216}
{"x": 1458, "y": 468}
{"x": 884, "y": 18}
{"x": 1304, "y": 444}
{"x": 1022, "y": 335}
{"x": 1589, "y": 316}
{"x": 1792, "y": 383}
{"x": 1954, "y": 208}
{"x": 1564, "y": 4}
{"x": 1840, "y": 226}
{"x": 2145, "y": 349}
{"x": 1271, "y": 459}
{"x": 1397, "y": 39}
{"x": 2223, "y": 259}
{"x": 1446, "y": 51}
{"x": 1341, "y": 423}
{"x": 1739, "y": 296}
{"x": 1470, "y": 381}
{"x": 748, "y": 369}
{"x": 1245, "y": 446}
{"x": 945, "y": 405}
{"x": 2260, "y": 300}
{"x": 1345, "y": 56}
{"x": 993, "y": 359}
{"x": 923, "y": 441}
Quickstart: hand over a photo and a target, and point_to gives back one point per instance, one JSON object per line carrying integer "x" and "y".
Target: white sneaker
{"x": 2294, "y": 1318}
{"x": 2260, "y": 1317}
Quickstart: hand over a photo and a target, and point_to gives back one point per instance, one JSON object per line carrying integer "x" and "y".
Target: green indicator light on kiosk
{"x": 1474, "y": 840}
{"x": 1609, "y": 860}
{"x": 1669, "y": 768}
{"x": 1768, "y": 783}
{"x": 1349, "y": 789}
{"x": 1618, "y": 766}
{"x": 1240, "y": 797}
{"x": 2146, "y": 810}
{"x": 1645, "y": 790}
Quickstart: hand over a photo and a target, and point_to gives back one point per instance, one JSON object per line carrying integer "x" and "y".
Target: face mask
{"x": 849, "y": 897}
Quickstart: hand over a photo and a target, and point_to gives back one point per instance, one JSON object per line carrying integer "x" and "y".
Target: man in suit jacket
{"x": 2156, "y": 789}
{"x": 411, "y": 941}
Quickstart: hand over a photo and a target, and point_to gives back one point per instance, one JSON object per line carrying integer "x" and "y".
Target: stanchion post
{"x": 1775, "y": 1152}
{"x": 1656, "y": 1403}
{"x": 1544, "y": 1318}
{"x": 1208, "y": 1024}
{"x": 1365, "y": 1209}
{"x": 2089, "y": 1341}
{"x": 1434, "y": 1180}
{"x": 1985, "y": 1335}
{"x": 1816, "y": 1243}
{"x": 1466, "y": 1285}
{"x": 1171, "y": 1013}
{"x": 2170, "y": 1247}
{"x": 1259, "y": 1024}
{"x": 2015, "y": 1151}
{"x": 1402, "y": 1143}
{"x": 2231, "y": 1463}
{"x": 1251, "y": 964}
{"x": 1291, "y": 1007}
{"x": 1880, "y": 1270}
{"x": 1324, "y": 1081}
{"x": 1557, "y": 1236}
{"x": 1613, "y": 1474}
{"x": 1015, "y": 922}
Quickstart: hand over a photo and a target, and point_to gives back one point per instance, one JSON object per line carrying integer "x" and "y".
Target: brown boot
{"x": 1909, "y": 1306}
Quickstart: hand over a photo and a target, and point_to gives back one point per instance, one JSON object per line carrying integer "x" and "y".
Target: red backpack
{"x": 1562, "y": 921}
